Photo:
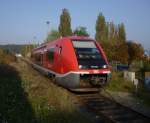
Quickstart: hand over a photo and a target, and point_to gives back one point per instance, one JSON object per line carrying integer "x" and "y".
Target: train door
{"x": 50, "y": 58}
{"x": 58, "y": 62}
{"x": 45, "y": 59}
{"x": 60, "y": 59}
{"x": 41, "y": 59}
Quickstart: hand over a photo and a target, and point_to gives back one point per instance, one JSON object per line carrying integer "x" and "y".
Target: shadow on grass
{"x": 14, "y": 105}
{"x": 16, "y": 108}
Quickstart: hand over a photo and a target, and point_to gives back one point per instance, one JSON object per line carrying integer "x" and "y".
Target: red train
{"x": 75, "y": 62}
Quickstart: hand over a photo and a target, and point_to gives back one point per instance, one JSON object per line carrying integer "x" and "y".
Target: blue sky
{"x": 22, "y": 21}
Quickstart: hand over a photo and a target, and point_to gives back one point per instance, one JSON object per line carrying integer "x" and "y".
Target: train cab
{"x": 75, "y": 62}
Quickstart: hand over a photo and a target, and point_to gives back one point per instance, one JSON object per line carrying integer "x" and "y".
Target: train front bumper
{"x": 82, "y": 79}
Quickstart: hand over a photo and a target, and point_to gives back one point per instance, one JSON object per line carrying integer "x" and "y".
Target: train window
{"x": 86, "y": 50}
{"x": 51, "y": 54}
{"x": 88, "y": 55}
{"x": 60, "y": 49}
{"x": 84, "y": 44}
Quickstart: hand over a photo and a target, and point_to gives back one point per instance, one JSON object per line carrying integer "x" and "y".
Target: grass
{"x": 118, "y": 83}
{"x": 28, "y": 97}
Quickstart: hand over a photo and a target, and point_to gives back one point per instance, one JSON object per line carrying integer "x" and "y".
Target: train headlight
{"x": 83, "y": 67}
{"x": 80, "y": 66}
{"x": 105, "y": 66}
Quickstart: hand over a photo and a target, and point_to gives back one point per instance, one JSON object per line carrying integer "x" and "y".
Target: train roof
{"x": 78, "y": 38}
{"x": 62, "y": 39}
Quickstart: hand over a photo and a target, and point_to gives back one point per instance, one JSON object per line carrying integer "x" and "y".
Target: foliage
{"x": 112, "y": 38}
{"x": 80, "y": 31}
{"x": 100, "y": 27}
{"x": 53, "y": 35}
{"x": 135, "y": 51}
{"x": 28, "y": 97}
{"x": 14, "y": 48}
{"x": 6, "y": 57}
{"x": 65, "y": 23}
{"x": 118, "y": 83}
{"x": 26, "y": 50}
{"x": 121, "y": 32}
{"x": 121, "y": 52}
{"x": 146, "y": 65}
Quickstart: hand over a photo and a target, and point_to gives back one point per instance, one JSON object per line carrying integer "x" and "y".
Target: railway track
{"x": 107, "y": 110}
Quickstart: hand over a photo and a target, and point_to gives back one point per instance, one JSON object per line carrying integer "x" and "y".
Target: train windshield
{"x": 88, "y": 55}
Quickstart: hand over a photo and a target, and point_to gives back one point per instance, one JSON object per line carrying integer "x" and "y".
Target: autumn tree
{"x": 135, "y": 51}
{"x": 112, "y": 38}
{"x": 65, "y": 23}
{"x": 122, "y": 49}
{"x": 6, "y": 57}
{"x": 102, "y": 32}
{"x": 100, "y": 28}
{"x": 121, "y": 32}
{"x": 112, "y": 32}
{"x": 121, "y": 52}
{"x": 80, "y": 31}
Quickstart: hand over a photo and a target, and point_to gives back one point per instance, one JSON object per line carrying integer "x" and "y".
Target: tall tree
{"x": 113, "y": 32}
{"x": 121, "y": 32}
{"x": 81, "y": 31}
{"x": 112, "y": 39}
{"x": 65, "y": 23}
{"x": 100, "y": 28}
{"x": 121, "y": 45}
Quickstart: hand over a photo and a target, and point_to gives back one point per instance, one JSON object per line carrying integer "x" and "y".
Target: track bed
{"x": 108, "y": 110}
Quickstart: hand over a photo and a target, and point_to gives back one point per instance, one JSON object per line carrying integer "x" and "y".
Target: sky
{"x": 24, "y": 21}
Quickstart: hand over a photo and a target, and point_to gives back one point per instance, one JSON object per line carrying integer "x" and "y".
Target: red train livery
{"x": 75, "y": 62}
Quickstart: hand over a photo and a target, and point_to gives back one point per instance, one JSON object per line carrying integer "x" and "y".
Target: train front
{"x": 84, "y": 64}
{"x": 93, "y": 67}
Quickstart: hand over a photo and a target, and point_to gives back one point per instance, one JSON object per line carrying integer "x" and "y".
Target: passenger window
{"x": 51, "y": 54}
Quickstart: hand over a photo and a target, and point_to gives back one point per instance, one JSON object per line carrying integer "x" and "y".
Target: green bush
{"x": 118, "y": 83}
{"x": 147, "y": 65}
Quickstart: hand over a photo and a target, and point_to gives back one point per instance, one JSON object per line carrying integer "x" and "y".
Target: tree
{"x": 53, "y": 35}
{"x": 122, "y": 50}
{"x": 65, "y": 23}
{"x": 80, "y": 31}
{"x": 6, "y": 57}
{"x": 135, "y": 51}
{"x": 121, "y": 32}
{"x": 113, "y": 32}
{"x": 100, "y": 28}
{"x": 112, "y": 39}
{"x": 26, "y": 49}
